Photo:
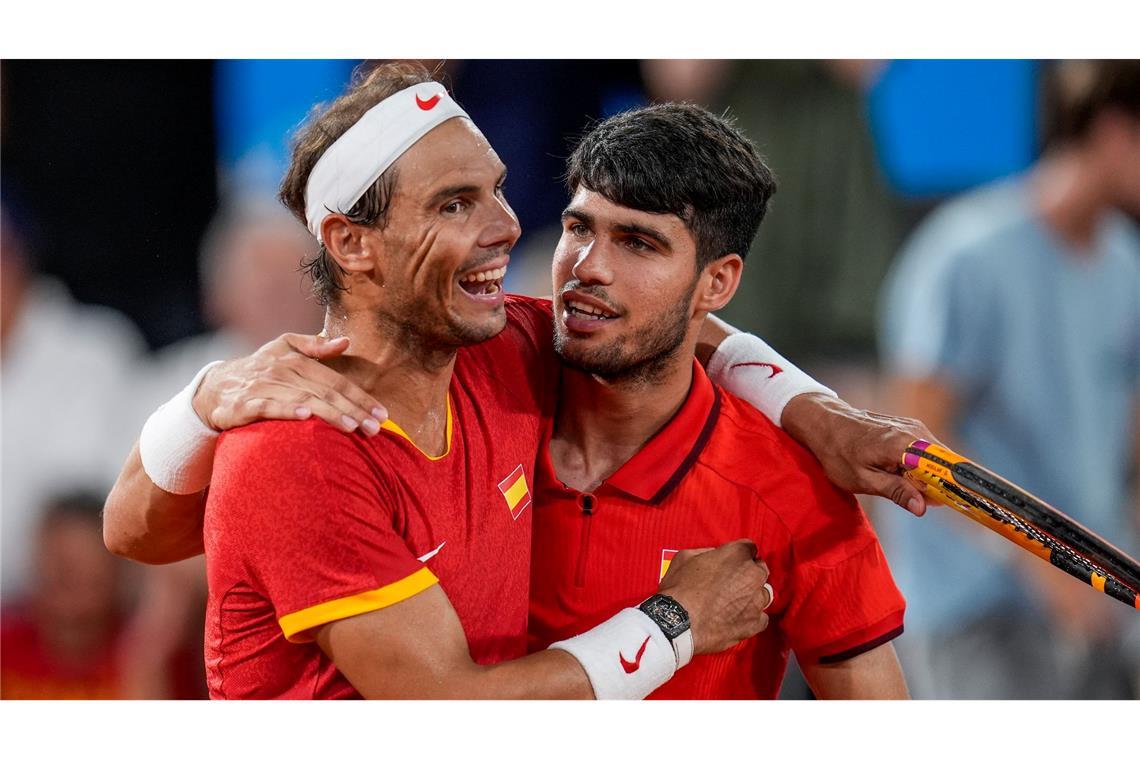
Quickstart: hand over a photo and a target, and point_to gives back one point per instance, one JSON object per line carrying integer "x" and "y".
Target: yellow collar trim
{"x": 392, "y": 427}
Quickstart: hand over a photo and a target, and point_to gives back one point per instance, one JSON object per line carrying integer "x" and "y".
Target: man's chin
{"x": 592, "y": 362}
{"x": 471, "y": 331}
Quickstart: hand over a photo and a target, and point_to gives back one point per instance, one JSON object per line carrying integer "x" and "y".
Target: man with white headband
{"x": 481, "y": 283}
{"x": 398, "y": 565}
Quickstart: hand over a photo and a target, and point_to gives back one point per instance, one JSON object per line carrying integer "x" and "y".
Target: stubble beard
{"x": 638, "y": 359}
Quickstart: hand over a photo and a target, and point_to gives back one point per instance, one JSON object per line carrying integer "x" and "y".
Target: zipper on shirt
{"x": 586, "y": 501}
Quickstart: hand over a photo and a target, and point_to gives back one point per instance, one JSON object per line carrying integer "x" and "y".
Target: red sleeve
{"x": 844, "y": 600}
{"x": 309, "y": 516}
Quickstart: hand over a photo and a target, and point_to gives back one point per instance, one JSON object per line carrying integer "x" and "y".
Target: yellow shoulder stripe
{"x": 297, "y": 625}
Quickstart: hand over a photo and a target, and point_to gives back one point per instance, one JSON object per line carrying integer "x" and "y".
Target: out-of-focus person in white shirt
{"x": 65, "y": 370}
{"x": 252, "y": 291}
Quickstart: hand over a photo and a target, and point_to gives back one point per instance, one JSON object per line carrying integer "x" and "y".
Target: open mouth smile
{"x": 485, "y": 284}
{"x": 583, "y": 313}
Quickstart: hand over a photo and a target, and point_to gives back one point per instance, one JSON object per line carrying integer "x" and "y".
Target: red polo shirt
{"x": 306, "y": 525}
{"x": 718, "y": 471}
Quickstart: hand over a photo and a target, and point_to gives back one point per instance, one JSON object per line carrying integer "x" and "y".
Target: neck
{"x": 601, "y": 424}
{"x": 399, "y": 369}
{"x": 1069, "y": 192}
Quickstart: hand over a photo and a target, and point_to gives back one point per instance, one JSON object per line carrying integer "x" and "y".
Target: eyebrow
{"x": 630, "y": 228}
{"x": 467, "y": 189}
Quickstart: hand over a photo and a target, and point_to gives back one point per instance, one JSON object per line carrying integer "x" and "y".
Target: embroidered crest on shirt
{"x": 515, "y": 491}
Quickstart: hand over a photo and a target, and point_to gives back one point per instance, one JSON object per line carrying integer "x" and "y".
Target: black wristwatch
{"x": 673, "y": 621}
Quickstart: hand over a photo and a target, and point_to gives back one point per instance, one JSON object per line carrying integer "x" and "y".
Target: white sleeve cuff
{"x": 749, "y": 368}
{"x": 176, "y": 447}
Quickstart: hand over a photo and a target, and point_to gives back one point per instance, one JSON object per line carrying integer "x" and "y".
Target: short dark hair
{"x": 678, "y": 158}
{"x": 323, "y": 127}
{"x": 1076, "y": 92}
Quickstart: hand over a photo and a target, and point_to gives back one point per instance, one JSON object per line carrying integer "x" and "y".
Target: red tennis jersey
{"x": 306, "y": 525}
{"x": 718, "y": 471}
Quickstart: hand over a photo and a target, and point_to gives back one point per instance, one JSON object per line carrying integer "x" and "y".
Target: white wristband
{"x": 176, "y": 447}
{"x": 626, "y": 657}
{"x": 749, "y": 368}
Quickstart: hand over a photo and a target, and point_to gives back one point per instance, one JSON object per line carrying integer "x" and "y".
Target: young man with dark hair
{"x": 406, "y": 315}
{"x": 647, "y": 457}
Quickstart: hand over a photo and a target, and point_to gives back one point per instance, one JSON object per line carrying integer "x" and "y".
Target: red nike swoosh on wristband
{"x": 631, "y": 667}
{"x": 427, "y": 105}
{"x": 775, "y": 369}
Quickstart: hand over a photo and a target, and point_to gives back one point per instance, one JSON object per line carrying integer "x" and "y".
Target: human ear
{"x": 718, "y": 282}
{"x": 350, "y": 245}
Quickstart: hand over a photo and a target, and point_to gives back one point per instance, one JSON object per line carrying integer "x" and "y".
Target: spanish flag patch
{"x": 515, "y": 491}
{"x": 666, "y": 557}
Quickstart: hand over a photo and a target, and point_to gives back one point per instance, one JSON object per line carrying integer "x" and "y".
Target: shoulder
{"x": 749, "y": 451}
{"x": 1122, "y": 245}
{"x": 530, "y": 320}
{"x": 528, "y": 309}
{"x": 86, "y": 321}
{"x": 962, "y": 231}
{"x": 296, "y": 450}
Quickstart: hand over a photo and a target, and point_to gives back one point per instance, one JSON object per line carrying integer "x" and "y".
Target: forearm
{"x": 549, "y": 674}
{"x": 871, "y": 675}
{"x": 147, "y": 524}
{"x": 417, "y": 649}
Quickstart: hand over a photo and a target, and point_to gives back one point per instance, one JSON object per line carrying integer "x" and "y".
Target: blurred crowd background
{"x": 955, "y": 240}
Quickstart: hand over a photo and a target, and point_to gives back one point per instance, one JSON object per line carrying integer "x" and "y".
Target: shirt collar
{"x": 654, "y": 471}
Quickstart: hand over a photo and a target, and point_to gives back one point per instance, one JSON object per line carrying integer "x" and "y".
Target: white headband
{"x": 358, "y": 157}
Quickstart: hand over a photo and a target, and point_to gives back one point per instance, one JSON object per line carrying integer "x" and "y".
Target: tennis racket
{"x": 1024, "y": 519}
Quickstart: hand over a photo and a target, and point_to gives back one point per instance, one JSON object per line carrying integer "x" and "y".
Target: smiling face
{"x": 441, "y": 257}
{"x": 623, "y": 282}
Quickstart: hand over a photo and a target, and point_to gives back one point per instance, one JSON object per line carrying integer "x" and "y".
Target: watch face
{"x": 668, "y": 614}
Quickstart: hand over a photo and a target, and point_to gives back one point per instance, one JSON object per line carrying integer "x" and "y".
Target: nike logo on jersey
{"x": 432, "y": 553}
{"x": 631, "y": 667}
{"x": 427, "y": 105}
{"x": 775, "y": 368}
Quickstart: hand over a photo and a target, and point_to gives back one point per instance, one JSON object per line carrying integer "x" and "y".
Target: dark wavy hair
{"x": 324, "y": 125}
{"x": 680, "y": 159}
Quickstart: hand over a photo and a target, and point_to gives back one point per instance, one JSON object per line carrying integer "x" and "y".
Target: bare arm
{"x": 280, "y": 380}
{"x": 860, "y": 451}
{"x": 144, "y": 523}
{"x": 386, "y": 654}
{"x": 871, "y": 675}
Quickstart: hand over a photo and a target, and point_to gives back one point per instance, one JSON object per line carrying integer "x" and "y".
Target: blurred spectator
{"x": 62, "y": 640}
{"x": 253, "y": 291}
{"x": 65, "y": 369}
{"x": 820, "y": 255}
{"x": 249, "y": 266}
{"x": 1011, "y": 326}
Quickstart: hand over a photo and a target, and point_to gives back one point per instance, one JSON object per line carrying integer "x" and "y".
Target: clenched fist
{"x": 723, "y": 591}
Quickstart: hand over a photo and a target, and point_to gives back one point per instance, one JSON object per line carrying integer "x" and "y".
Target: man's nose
{"x": 591, "y": 264}
{"x": 503, "y": 228}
